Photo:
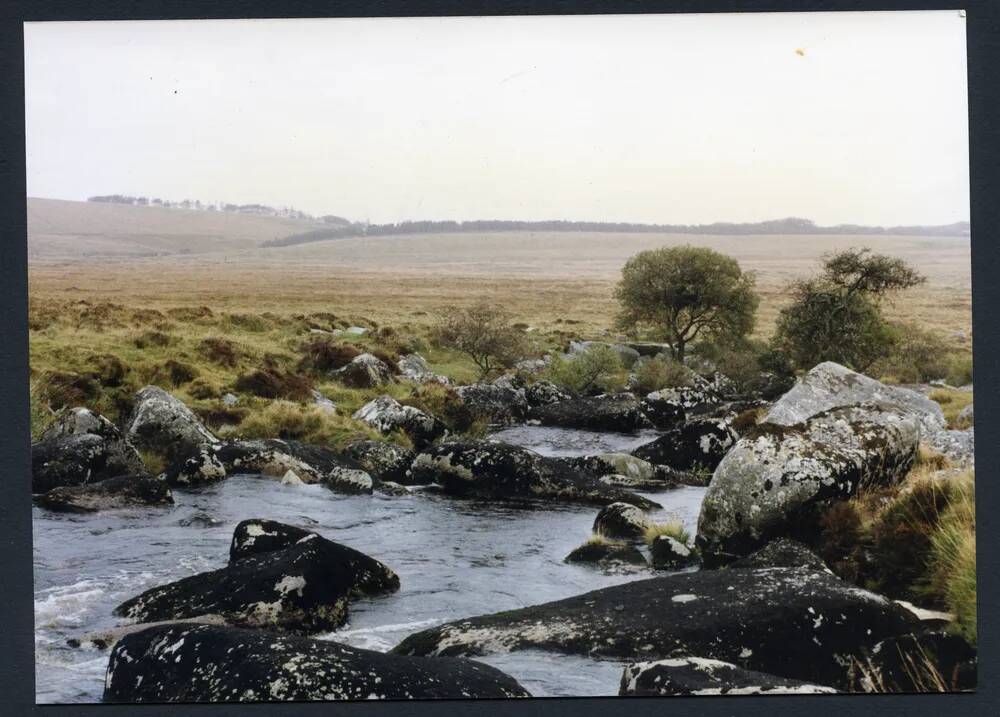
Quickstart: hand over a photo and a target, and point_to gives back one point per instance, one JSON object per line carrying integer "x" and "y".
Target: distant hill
{"x": 58, "y": 228}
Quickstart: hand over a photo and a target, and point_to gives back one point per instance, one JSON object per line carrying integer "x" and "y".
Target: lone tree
{"x": 686, "y": 293}
{"x": 837, "y": 316}
{"x": 482, "y": 332}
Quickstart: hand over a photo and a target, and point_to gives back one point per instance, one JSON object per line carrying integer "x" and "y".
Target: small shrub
{"x": 674, "y": 529}
{"x": 216, "y": 417}
{"x": 484, "y": 333}
{"x": 323, "y": 355}
{"x": 177, "y": 373}
{"x": 916, "y": 356}
{"x": 661, "y": 372}
{"x": 219, "y": 351}
{"x": 747, "y": 420}
{"x": 270, "y": 381}
{"x": 150, "y": 339}
{"x": 63, "y": 388}
{"x": 108, "y": 370}
{"x": 599, "y": 367}
{"x": 959, "y": 370}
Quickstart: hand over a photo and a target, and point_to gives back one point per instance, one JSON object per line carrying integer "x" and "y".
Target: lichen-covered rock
{"x": 162, "y": 424}
{"x": 125, "y": 491}
{"x": 606, "y": 554}
{"x": 795, "y": 623}
{"x": 697, "y": 445}
{"x": 621, "y": 520}
{"x": 662, "y": 409}
{"x": 782, "y": 553}
{"x": 390, "y": 488}
{"x": 542, "y": 393}
{"x": 414, "y": 367}
{"x": 268, "y": 457}
{"x": 498, "y": 470}
{"x": 830, "y": 385}
{"x": 384, "y": 461}
{"x": 627, "y": 354}
{"x": 256, "y": 536}
{"x": 386, "y": 414}
{"x": 621, "y": 412}
{"x": 201, "y": 467}
{"x": 773, "y": 481}
{"x": 302, "y": 588}
{"x": 958, "y": 446}
{"x": 364, "y": 371}
{"x": 79, "y": 458}
{"x": 668, "y": 553}
{"x": 208, "y": 663}
{"x": 351, "y": 481}
{"x": 76, "y": 421}
{"x": 967, "y": 414}
{"x": 926, "y": 662}
{"x": 500, "y": 403}
{"x": 702, "y": 676}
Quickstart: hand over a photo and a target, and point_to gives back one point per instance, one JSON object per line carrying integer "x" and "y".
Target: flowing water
{"x": 455, "y": 558}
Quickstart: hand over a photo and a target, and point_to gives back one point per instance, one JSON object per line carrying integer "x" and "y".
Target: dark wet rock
{"x": 367, "y": 575}
{"x": 385, "y": 414}
{"x": 162, "y": 424}
{"x": 782, "y": 553}
{"x": 621, "y": 520}
{"x": 79, "y": 458}
{"x": 125, "y": 491}
{"x": 200, "y": 520}
{"x": 696, "y": 446}
{"x": 606, "y": 554}
{"x": 668, "y": 553}
{"x": 414, "y": 367}
{"x": 701, "y": 676}
{"x": 796, "y": 623}
{"x": 830, "y": 385}
{"x": 364, "y": 371}
{"x": 499, "y": 403}
{"x": 649, "y": 349}
{"x": 391, "y": 488}
{"x": 208, "y": 663}
{"x": 773, "y": 482}
{"x": 627, "y": 354}
{"x": 662, "y": 410}
{"x": 542, "y": 393}
{"x": 302, "y": 588}
{"x": 384, "y": 461}
{"x": 926, "y": 662}
{"x": 621, "y": 412}
{"x": 499, "y": 470}
{"x": 76, "y": 421}
{"x": 199, "y": 468}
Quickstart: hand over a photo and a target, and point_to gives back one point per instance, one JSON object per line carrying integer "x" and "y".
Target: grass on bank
{"x": 672, "y": 528}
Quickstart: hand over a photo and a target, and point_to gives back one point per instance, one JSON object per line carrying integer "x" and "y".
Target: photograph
{"x": 489, "y": 357}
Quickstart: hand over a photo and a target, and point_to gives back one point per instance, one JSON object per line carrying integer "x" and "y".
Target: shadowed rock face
{"x": 499, "y": 470}
{"x": 301, "y": 588}
{"x": 620, "y": 412}
{"x": 78, "y": 458}
{"x": 697, "y": 445}
{"x": 700, "y": 676}
{"x": 796, "y": 623}
{"x": 782, "y": 553}
{"x": 500, "y": 403}
{"x": 830, "y": 385}
{"x": 207, "y": 663}
{"x": 774, "y": 480}
{"x": 119, "y": 492}
{"x": 163, "y": 424}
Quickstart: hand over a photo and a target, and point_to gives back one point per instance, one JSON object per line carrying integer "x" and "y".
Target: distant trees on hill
{"x": 197, "y": 205}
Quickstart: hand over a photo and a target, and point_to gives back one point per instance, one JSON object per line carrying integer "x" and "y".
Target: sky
{"x": 836, "y": 117}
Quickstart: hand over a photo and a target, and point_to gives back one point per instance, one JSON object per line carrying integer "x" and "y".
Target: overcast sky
{"x": 837, "y": 117}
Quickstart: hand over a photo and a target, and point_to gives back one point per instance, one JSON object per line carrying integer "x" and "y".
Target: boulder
{"x": 606, "y": 554}
{"x": 782, "y": 553}
{"x": 162, "y": 424}
{"x": 627, "y": 354}
{"x": 542, "y": 393}
{"x": 257, "y": 536}
{"x": 697, "y": 445}
{"x": 76, "y": 421}
{"x": 351, "y": 481}
{"x": 302, "y": 588}
{"x": 792, "y": 622}
{"x": 776, "y": 478}
{"x": 934, "y": 661}
{"x": 830, "y": 385}
{"x": 126, "y": 491}
{"x": 967, "y": 414}
{"x": 499, "y": 470}
{"x": 382, "y": 460}
{"x": 364, "y": 371}
{"x": 209, "y": 663}
{"x": 958, "y": 446}
{"x": 649, "y": 349}
{"x": 662, "y": 409}
{"x": 385, "y": 414}
{"x": 620, "y": 412}
{"x": 390, "y": 488}
{"x": 269, "y": 457}
{"x": 414, "y": 367}
{"x": 621, "y": 520}
{"x": 668, "y": 553}
{"x": 499, "y": 403}
{"x": 201, "y": 467}
{"x": 701, "y": 676}
{"x": 79, "y": 458}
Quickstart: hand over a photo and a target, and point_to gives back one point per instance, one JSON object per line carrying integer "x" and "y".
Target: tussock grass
{"x": 952, "y": 568}
{"x": 601, "y": 539}
{"x": 40, "y": 413}
{"x": 310, "y": 424}
{"x": 673, "y": 528}
{"x": 952, "y": 402}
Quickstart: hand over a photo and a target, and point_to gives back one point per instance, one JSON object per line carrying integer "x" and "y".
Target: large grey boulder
{"x": 620, "y": 412}
{"x": 696, "y": 445}
{"x": 414, "y": 367}
{"x": 774, "y": 480}
{"x": 364, "y": 371}
{"x": 702, "y": 676}
{"x": 162, "y": 424}
{"x": 385, "y": 414}
{"x": 500, "y": 403}
{"x": 126, "y": 491}
{"x": 210, "y": 663}
{"x": 830, "y": 385}
{"x": 621, "y": 520}
{"x": 76, "y": 421}
{"x": 78, "y": 458}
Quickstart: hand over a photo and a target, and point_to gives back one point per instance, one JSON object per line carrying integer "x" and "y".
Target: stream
{"x": 455, "y": 558}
